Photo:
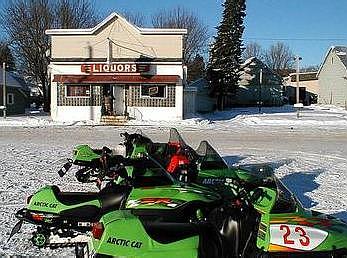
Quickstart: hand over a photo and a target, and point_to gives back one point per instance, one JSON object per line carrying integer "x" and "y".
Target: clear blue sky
{"x": 324, "y": 22}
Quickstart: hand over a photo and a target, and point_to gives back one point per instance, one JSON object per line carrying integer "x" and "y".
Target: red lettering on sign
{"x": 115, "y": 68}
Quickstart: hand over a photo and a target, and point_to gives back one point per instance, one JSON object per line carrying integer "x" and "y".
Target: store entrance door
{"x": 118, "y": 102}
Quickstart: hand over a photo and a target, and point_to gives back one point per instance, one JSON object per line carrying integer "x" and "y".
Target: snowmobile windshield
{"x": 286, "y": 201}
{"x": 150, "y": 173}
{"x": 209, "y": 159}
{"x": 262, "y": 170}
{"x": 140, "y": 132}
{"x": 176, "y": 138}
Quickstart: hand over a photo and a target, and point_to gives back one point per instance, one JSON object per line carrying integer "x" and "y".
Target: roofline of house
{"x": 91, "y": 31}
{"x": 324, "y": 59}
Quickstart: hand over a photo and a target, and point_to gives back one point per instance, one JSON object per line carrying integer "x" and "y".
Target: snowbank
{"x": 314, "y": 116}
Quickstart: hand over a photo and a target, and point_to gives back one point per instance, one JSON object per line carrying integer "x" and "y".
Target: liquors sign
{"x": 115, "y": 68}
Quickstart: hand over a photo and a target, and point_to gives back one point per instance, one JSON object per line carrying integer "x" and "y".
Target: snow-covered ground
{"x": 309, "y": 154}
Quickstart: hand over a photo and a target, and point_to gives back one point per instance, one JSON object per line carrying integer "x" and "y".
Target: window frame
{"x": 8, "y": 99}
{"x": 156, "y": 84}
{"x": 72, "y": 97}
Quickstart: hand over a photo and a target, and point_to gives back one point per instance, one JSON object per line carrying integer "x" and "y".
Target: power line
{"x": 297, "y": 39}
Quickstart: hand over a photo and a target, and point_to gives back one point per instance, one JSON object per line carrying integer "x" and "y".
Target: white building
{"x": 141, "y": 67}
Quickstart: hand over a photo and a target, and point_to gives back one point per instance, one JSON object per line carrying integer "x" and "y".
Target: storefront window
{"x": 153, "y": 91}
{"x": 77, "y": 90}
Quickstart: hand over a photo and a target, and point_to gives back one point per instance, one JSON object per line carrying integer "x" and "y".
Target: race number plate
{"x": 296, "y": 236}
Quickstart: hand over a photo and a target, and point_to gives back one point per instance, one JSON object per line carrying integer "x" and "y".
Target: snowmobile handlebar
{"x": 248, "y": 193}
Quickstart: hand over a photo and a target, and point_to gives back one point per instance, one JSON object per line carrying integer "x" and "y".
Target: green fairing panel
{"x": 126, "y": 237}
{"x": 44, "y": 201}
{"x": 266, "y": 201}
{"x": 139, "y": 151}
{"x": 84, "y": 153}
{"x": 264, "y": 205}
{"x": 168, "y": 197}
{"x": 236, "y": 173}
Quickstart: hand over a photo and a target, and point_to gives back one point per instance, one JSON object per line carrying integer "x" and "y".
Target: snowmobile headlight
{"x": 97, "y": 230}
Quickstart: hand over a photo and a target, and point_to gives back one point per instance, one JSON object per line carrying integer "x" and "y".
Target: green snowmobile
{"x": 61, "y": 217}
{"x": 228, "y": 212}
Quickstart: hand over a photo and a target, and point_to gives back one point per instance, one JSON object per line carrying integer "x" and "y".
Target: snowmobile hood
{"x": 169, "y": 197}
{"x": 126, "y": 236}
{"x": 84, "y": 153}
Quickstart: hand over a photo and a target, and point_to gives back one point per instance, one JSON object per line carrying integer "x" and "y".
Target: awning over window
{"x": 115, "y": 79}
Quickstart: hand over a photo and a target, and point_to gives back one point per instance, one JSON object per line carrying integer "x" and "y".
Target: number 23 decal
{"x": 297, "y": 237}
{"x": 304, "y": 239}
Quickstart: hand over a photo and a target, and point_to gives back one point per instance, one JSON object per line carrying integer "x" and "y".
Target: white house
{"x": 332, "y": 77}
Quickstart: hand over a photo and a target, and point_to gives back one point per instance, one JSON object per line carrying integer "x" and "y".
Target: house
{"x": 252, "y": 92}
{"x": 116, "y": 69}
{"x": 332, "y": 77}
{"x": 17, "y": 93}
{"x": 204, "y": 102}
{"x": 308, "y": 88}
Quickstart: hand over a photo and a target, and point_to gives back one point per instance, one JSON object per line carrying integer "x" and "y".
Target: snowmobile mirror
{"x": 65, "y": 168}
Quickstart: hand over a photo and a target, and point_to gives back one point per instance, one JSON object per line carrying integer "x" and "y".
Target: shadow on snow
{"x": 302, "y": 183}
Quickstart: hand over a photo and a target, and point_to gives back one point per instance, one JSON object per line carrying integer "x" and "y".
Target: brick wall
{"x": 133, "y": 96}
{"x": 95, "y": 98}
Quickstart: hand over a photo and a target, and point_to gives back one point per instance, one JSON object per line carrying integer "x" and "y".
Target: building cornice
{"x": 110, "y": 18}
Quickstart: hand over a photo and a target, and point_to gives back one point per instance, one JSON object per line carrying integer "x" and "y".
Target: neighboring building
{"x": 17, "y": 93}
{"x": 308, "y": 88}
{"x": 250, "y": 92}
{"x": 332, "y": 77}
{"x": 203, "y": 100}
{"x": 141, "y": 68}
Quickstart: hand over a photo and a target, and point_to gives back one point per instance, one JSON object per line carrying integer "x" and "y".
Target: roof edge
{"x": 91, "y": 31}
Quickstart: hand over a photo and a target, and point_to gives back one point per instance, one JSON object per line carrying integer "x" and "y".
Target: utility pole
{"x": 260, "y": 83}
{"x": 298, "y": 106}
{"x": 4, "y": 89}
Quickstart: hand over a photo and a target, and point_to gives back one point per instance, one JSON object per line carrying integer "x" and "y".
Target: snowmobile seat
{"x": 72, "y": 198}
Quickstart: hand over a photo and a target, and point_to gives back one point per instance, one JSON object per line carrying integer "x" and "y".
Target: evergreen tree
{"x": 196, "y": 68}
{"x": 226, "y": 51}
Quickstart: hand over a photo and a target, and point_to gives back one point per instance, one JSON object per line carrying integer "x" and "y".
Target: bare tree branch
{"x": 197, "y": 37}
{"x": 279, "y": 57}
{"x": 253, "y": 49}
{"x": 25, "y": 22}
{"x": 135, "y": 18}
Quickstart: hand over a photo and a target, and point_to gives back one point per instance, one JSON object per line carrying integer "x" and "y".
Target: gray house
{"x": 17, "y": 93}
{"x": 332, "y": 77}
{"x": 250, "y": 92}
{"x": 203, "y": 102}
